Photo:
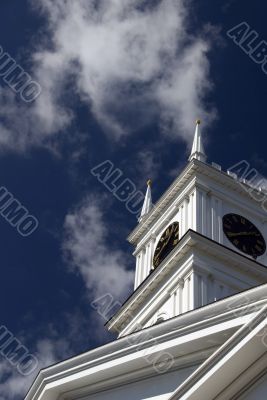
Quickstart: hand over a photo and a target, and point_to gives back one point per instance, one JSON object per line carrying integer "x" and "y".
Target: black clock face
{"x": 244, "y": 235}
{"x": 166, "y": 244}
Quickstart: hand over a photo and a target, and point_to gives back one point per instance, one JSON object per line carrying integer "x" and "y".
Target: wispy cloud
{"x": 87, "y": 250}
{"x": 129, "y": 61}
{"x": 103, "y": 269}
{"x": 51, "y": 343}
{"x": 13, "y": 385}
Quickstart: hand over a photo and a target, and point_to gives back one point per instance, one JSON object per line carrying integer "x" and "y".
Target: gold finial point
{"x": 149, "y": 182}
{"x": 198, "y": 122}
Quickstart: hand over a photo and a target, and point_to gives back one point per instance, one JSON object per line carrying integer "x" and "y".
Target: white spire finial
{"x": 198, "y": 151}
{"x": 147, "y": 202}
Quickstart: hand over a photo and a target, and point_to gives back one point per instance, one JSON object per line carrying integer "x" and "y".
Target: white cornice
{"x": 193, "y": 168}
{"x": 191, "y": 240}
{"x": 162, "y": 203}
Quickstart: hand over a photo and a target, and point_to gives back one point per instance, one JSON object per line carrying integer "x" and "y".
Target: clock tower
{"x": 202, "y": 241}
{"x": 195, "y": 327}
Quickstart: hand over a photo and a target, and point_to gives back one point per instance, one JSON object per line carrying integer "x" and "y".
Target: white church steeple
{"x": 198, "y": 151}
{"x": 195, "y": 247}
{"x": 147, "y": 206}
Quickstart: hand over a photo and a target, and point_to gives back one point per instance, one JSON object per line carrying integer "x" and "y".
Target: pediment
{"x": 232, "y": 369}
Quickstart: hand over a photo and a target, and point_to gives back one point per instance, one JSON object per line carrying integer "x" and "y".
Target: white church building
{"x": 195, "y": 326}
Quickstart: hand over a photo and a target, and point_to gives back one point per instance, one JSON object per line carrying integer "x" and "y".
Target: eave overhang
{"x": 195, "y": 335}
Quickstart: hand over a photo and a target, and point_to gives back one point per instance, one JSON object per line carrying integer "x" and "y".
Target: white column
{"x": 141, "y": 268}
{"x": 153, "y": 248}
{"x": 202, "y": 211}
{"x": 195, "y": 294}
{"x": 148, "y": 260}
{"x": 213, "y": 218}
{"x": 198, "y": 211}
{"x": 185, "y": 299}
{"x": 174, "y": 303}
{"x": 179, "y": 298}
{"x": 138, "y": 259}
{"x": 145, "y": 263}
{"x": 190, "y": 292}
{"x": 194, "y": 211}
{"x": 187, "y": 295}
{"x": 186, "y": 206}
{"x": 219, "y": 220}
{"x": 216, "y": 205}
{"x": 210, "y": 289}
{"x": 209, "y": 215}
{"x": 190, "y": 212}
{"x": 182, "y": 220}
{"x": 204, "y": 290}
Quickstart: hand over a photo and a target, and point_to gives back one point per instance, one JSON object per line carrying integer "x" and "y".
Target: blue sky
{"x": 122, "y": 81}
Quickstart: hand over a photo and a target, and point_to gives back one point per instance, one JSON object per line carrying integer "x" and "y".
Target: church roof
{"x": 233, "y": 367}
{"x": 210, "y": 336}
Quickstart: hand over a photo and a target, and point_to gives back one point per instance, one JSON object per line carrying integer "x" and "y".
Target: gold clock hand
{"x": 162, "y": 247}
{"x": 164, "y": 244}
{"x": 234, "y": 234}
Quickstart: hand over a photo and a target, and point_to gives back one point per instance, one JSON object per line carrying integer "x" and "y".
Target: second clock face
{"x": 166, "y": 243}
{"x": 244, "y": 235}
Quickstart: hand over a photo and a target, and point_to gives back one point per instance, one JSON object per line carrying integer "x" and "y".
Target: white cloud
{"x": 53, "y": 345}
{"x": 129, "y": 62}
{"x": 103, "y": 269}
{"x": 86, "y": 248}
{"x": 13, "y": 384}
